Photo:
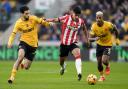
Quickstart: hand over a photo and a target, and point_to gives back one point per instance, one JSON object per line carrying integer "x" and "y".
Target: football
{"x": 91, "y": 79}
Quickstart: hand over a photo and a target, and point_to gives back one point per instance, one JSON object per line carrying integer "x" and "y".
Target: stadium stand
{"x": 114, "y": 11}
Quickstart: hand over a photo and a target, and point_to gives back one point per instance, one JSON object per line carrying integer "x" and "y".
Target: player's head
{"x": 76, "y": 12}
{"x": 99, "y": 17}
{"x": 25, "y": 12}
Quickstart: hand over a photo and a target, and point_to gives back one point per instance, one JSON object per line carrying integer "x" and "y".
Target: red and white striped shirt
{"x": 69, "y": 29}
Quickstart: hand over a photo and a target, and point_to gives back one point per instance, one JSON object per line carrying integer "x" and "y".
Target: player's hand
{"x": 88, "y": 43}
{"x": 51, "y": 23}
{"x": 94, "y": 39}
{"x": 117, "y": 42}
{"x": 49, "y": 20}
{"x": 9, "y": 45}
{"x": 43, "y": 18}
{"x": 97, "y": 38}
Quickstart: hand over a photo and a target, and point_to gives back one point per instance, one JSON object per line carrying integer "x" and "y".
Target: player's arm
{"x": 85, "y": 33}
{"x": 53, "y": 20}
{"x": 45, "y": 23}
{"x": 59, "y": 19}
{"x": 115, "y": 30}
{"x": 92, "y": 36}
{"x": 12, "y": 36}
{"x": 41, "y": 21}
{"x": 116, "y": 33}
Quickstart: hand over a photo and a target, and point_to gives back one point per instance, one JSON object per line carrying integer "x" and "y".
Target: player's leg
{"x": 100, "y": 68}
{"x": 78, "y": 63}
{"x": 105, "y": 59}
{"x": 99, "y": 53}
{"x": 29, "y": 56}
{"x": 76, "y": 53}
{"x": 21, "y": 54}
{"x": 63, "y": 56}
{"x": 22, "y": 64}
{"x": 27, "y": 63}
{"x": 62, "y": 64}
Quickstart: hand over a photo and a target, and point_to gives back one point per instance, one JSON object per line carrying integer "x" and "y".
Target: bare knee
{"x": 26, "y": 68}
{"x": 21, "y": 54}
{"x": 76, "y": 52}
{"x": 105, "y": 58}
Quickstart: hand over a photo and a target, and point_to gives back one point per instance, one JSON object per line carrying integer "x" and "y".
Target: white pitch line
{"x": 49, "y": 72}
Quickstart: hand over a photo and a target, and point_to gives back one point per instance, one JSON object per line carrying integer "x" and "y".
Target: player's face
{"x": 26, "y": 14}
{"x": 99, "y": 19}
{"x": 75, "y": 16}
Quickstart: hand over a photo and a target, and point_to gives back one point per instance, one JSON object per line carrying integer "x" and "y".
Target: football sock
{"x": 13, "y": 74}
{"x": 64, "y": 65}
{"x": 78, "y": 65}
{"x": 106, "y": 63}
{"x": 61, "y": 63}
{"x": 100, "y": 67}
{"x": 101, "y": 73}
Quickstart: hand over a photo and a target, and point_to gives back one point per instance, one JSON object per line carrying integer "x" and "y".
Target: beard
{"x": 26, "y": 18}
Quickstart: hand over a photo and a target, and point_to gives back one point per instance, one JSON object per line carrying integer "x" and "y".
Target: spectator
{"x": 7, "y": 8}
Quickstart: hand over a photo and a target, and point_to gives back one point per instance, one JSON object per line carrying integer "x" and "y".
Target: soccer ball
{"x": 91, "y": 79}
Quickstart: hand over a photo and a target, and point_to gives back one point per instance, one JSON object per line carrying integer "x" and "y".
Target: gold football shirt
{"x": 104, "y": 32}
{"x": 28, "y": 30}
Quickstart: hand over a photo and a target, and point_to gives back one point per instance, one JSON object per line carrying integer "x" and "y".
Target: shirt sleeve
{"x": 13, "y": 34}
{"x": 111, "y": 26}
{"x": 62, "y": 18}
{"x": 41, "y": 21}
{"x": 92, "y": 31}
{"x": 16, "y": 28}
{"x": 38, "y": 20}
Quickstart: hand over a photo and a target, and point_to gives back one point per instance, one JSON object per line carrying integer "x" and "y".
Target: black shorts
{"x": 30, "y": 51}
{"x": 65, "y": 49}
{"x": 103, "y": 50}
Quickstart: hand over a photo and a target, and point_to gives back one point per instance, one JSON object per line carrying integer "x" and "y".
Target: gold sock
{"x": 101, "y": 73}
{"x": 13, "y": 74}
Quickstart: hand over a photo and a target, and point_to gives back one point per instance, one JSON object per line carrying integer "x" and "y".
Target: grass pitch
{"x": 45, "y": 75}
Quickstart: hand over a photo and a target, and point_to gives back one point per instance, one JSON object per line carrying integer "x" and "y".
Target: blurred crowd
{"x": 115, "y": 11}
{"x": 7, "y": 7}
{"x": 7, "y": 10}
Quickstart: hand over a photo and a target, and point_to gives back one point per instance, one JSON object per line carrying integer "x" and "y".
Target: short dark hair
{"x": 23, "y": 8}
{"x": 77, "y": 10}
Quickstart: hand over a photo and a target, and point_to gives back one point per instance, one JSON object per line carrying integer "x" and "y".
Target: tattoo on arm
{"x": 115, "y": 31}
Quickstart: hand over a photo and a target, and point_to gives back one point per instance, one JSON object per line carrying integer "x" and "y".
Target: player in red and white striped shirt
{"x": 70, "y": 26}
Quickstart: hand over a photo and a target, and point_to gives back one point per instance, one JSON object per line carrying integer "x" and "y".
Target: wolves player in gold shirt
{"x": 103, "y": 31}
{"x": 27, "y": 26}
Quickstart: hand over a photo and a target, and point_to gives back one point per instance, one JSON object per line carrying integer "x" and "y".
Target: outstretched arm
{"x": 45, "y": 23}
{"x": 86, "y": 33}
{"x": 12, "y": 37}
{"x": 93, "y": 38}
{"x": 53, "y": 20}
{"x": 42, "y": 21}
{"x": 116, "y": 33}
{"x": 59, "y": 19}
{"x": 92, "y": 35}
{"x": 13, "y": 34}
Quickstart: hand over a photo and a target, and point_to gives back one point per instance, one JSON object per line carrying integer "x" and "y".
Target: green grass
{"x": 45, "y": 75}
